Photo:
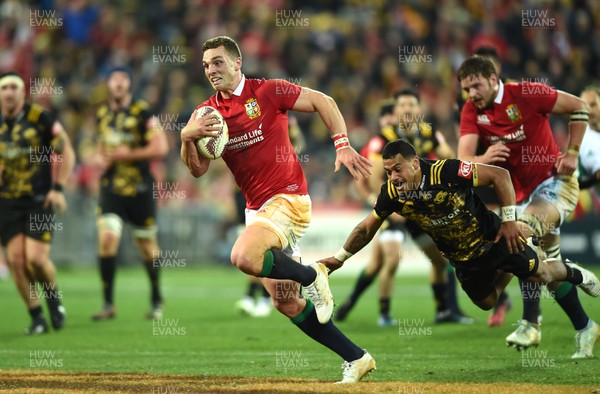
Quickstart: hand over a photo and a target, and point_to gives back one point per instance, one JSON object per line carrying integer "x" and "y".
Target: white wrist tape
{"x": 342, "y": 255}
{"x": 509, "y": 213}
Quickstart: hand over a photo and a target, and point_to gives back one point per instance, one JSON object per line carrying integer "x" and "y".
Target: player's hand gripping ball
{"x": 212, "y": 147}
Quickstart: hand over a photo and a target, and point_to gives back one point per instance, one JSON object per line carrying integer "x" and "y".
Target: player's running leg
{"x": 257, "y": 252}
{"x": 392, "y": 254}
{"x": 439, "y": 283}
{"x": 25, "y": 282}
{"x": 37, "y": 255}
{"x": 110, "y": 227}
{"x": 287, "y": 300}
{"x": 152, "y": 263}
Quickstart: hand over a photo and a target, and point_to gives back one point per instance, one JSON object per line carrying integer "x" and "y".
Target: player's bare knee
{"x": 390, "y": 267}
{"x": 544, "y": 273}
{"x": 245, "y": 262}
{"x": 108, "y": 243}
{"x": 37, "y": 261}
{"x": 288, "y": 306}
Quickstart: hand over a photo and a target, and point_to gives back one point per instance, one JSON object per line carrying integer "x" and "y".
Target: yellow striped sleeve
{"x": 436, "y": 171}
{"x": 34, "y": 113}
{"x": 376, "y": 215}
{"x": 392, "y": 192}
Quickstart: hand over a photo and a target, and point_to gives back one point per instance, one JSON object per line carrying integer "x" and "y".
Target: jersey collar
{"x": 500, "y": 94}
{"x": 237, "y": 91}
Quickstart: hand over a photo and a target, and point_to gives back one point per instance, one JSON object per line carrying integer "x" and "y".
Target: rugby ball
{"x": 212, "y": 147}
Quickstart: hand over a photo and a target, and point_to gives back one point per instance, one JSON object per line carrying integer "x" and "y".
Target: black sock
{"x": 384, "y": 306}
{"x": 362, "y": 284}
{"x": 53, "y": 297}
{"x": 327, "y": 335}
{"x": 36, "y": 312}
{"x": 439, "y": 293}
{"x": 501, "y": 299}
{"x": 108, "y": 266}
{"x": 277, "y": 265}
{"x": 567, "y": 298}
{"x": 573, "y": 275}
{"x": 265, "y": 293}
{"x": 252, "y": 289}
{"x": 530, "y": 292}
{"x": 451, "y": 292}
{"x": 153, "y": 269}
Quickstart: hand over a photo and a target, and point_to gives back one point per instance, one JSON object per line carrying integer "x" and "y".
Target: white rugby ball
{"x": 212, "y": 147}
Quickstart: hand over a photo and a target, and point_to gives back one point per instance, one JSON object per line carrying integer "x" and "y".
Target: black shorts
{"x": 477, "y": 276}
{"x": 27, "y": 217}
{"x": 139, "y": 210}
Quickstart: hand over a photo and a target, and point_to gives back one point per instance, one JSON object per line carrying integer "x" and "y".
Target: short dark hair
{"x": 407, "y": 92}
{"x": 487, "y": 51}
{"x": 123, "y": 69}
{"x": 398, "y": 147}
{"x": 387, "y": 108}
{"x": 476, "y": 65}
{"x": 10, "y": 73}
{"x": 227, "y": 42}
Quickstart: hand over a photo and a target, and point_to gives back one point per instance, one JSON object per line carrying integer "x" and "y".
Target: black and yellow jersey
{"x": 421, "y": 135}
{"x": 126, "y": 126}
{"x": 446, "y": 208}
{"x": 27, "y": 144}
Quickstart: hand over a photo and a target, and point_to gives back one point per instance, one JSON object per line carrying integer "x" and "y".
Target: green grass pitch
{"x": 201, "y": 334}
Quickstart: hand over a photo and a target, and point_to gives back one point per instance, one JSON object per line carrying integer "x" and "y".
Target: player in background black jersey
{"x": 36, "y": 159}
{"x": 129, "y": 137}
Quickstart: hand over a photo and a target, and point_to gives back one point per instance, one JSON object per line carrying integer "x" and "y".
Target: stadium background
{"x": 351, "y": 50}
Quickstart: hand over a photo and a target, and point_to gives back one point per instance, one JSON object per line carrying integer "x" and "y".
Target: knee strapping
{"x": 111, "y": 222}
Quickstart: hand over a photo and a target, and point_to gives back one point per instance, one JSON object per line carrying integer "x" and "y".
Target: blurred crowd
{"x": 348, "y": 49}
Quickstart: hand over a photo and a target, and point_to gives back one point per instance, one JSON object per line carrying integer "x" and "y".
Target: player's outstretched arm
{"x": 568, "y": 104}
{"x": 311, "y": 100}
{"x": 467, "y": 146}
{"x": 510, "y": 230}
{"x": 362, "y": 234}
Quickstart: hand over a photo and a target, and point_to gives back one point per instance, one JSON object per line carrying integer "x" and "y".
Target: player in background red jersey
{"x": 511, "y": 120}
{"x": 266, "y": 168}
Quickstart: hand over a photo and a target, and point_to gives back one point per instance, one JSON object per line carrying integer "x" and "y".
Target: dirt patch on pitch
{"x": 61, "y": 382}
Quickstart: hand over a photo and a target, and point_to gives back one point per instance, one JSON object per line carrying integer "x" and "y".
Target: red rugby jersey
{"x": 518, "y": 118}
{"x": 259, "y": 152}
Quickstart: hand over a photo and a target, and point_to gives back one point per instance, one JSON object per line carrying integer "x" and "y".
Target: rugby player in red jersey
{"x": 511, "y": 120}
{"x": 278, "y": 208}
